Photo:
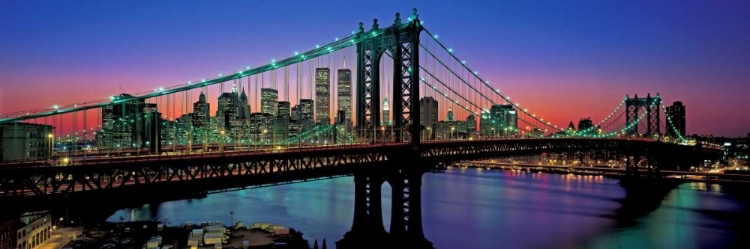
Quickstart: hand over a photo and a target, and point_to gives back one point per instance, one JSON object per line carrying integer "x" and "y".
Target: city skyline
{"x": 604, "y": 69}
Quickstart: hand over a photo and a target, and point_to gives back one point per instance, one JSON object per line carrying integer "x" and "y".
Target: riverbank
{"x": 154, "y": 235}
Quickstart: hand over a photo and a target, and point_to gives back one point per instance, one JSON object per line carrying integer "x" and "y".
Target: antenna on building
{"x": 121, "y": 91}
{"x": 345, "y": 61}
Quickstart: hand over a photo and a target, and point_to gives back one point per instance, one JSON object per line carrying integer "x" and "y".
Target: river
{"x": 478, "y": 208}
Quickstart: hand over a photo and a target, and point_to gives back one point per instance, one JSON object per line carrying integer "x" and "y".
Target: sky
{"x": 562, "y": 59}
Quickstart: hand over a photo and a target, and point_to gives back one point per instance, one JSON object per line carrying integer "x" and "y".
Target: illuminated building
{"x": 322, "y": 95}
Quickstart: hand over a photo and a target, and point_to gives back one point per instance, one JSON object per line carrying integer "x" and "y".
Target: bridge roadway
{"x": 246, "y": 168}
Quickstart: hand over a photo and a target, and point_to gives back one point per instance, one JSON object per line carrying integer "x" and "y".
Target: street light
{"x": 265, "y": 138}
{"x": 222, "y": 140}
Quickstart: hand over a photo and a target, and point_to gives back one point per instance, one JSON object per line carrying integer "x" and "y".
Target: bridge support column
{"x": 367, "y": 226}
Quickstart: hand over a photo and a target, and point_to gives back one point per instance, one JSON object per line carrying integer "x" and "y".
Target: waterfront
{"x": 477, "y": 208}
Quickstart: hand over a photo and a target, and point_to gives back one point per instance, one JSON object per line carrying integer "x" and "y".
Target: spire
{"x": 386, "y": 106}
{"x": 315, "y": 245}
{"x": 344, "y": 61}
{"x": 450, "y": 113}
{"x": 202, "y": 98}
{"x": 324, "y": 244}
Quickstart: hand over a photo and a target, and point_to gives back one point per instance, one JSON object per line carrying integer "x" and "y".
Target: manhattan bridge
{"x": 340, "y": 122}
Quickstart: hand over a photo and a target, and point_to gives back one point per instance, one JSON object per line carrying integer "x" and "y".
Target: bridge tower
{"x": 633, "y": 107}
{"x": 401, "y": 41}
{"x": 404, "y": 171}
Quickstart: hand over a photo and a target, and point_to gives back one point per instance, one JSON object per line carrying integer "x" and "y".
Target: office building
{"x": 226, "y": 109}
{"x": 322, "y": 95}
{"x": 295, "y": 124}
{"x": 25, "y": 141}
{"x": 504, "y": 119}
{"x": 428, "y": 110}
{"x": 269, "y": 99}
{"x": 345, "y": 94}
{"x": 676, "y": 114}
{"x": 261, "y": 128}
{"x": 306, "y": 107}
{"x": 132, "y": 124}
{"x": 282, "y": 121}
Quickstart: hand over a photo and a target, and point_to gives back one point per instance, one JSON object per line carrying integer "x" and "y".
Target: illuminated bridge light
{"x": 317, "y": 46}
{"x": 247, "y": 68}
{"x": 337, "y": 39}
{"x": 436, "y": 36}
{"x": 463, "y": 62}
{"x": 450, "y": 50}
{"x": 296, "y": 53}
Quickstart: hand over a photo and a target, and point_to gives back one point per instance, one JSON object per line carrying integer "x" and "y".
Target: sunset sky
{"x": 564, "y": 61}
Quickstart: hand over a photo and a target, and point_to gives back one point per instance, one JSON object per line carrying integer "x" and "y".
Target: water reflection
{"x": 472, "y": 208}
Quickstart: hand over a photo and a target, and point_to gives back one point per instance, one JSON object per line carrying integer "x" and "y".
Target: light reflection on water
{"x": 472, "y": 208}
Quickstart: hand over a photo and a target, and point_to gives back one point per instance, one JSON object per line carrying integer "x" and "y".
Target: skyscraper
{"x": 226, "y": 111}
{"x": 201, "y": 109}
{"x": 323, "y": 95}
{"x": 132, "y": 124}
{"x": 676, "y": 114}
{"x": 306, "y": 108}
{"x": 269, "y": 98}
{"x": 345, "y": 94}
{"x": 386, "y": 113}
{"x": 486, "y": 126}
{"x": 295, "y": 124}
{"x": 281, "y": 123}
{"x": 428, "y": 109}
{"x": 504, "y": 119}
{"x": 243, "y": 106}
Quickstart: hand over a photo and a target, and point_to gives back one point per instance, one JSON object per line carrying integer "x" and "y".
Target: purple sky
{"x": 563, "y": 61}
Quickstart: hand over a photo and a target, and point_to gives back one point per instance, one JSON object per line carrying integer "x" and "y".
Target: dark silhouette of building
{"x": 586, "y": 126}
{"x": 428, "y": 107}
{"x": 676, "y": 114}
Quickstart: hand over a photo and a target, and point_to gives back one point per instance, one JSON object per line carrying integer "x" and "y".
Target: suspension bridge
{"x": 315, "y": 114}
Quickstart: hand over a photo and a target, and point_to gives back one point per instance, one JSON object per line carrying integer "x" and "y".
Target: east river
{"x": 478, "y": 208}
